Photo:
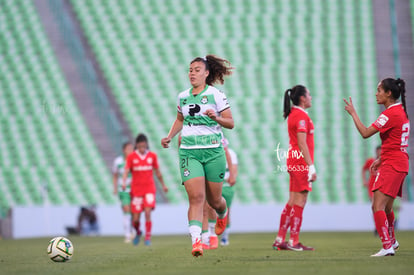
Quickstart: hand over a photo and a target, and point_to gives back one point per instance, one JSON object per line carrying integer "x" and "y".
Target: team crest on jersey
{"x": 149, "y": 160}
{"x": 186, "y": 173}
{"x": 381, "y": 121}
{"x": 135, "y": 161}
{"x": 204, "y": 100}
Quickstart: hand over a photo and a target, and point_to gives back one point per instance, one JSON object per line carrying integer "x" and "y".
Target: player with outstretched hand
{"x": 142, "y": 163}
{"x": 392, "y": 166}
{"x": 300, "y": 166}
{"x": 201, "y": 112}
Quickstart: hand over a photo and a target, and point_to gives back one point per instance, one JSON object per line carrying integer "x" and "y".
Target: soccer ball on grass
{"x": 60, "y": 249}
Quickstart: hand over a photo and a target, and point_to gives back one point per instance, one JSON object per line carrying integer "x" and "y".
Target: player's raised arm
{"x": 365, "y": 132}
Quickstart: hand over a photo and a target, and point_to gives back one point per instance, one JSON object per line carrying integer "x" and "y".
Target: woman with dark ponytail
{"x": 392, "y": 165}
{"x": 202, "y": 111}
{"x": 300, "y": 166}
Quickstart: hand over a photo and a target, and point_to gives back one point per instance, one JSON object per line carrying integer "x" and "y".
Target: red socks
{"x": 284, "y": 223}
{"x": 136, "y": 227}
{"x": 295, "y": 224}
{"x": 148, "y": 226}
{"x": 391, "y": 219}
{"x": 381, "y": 223}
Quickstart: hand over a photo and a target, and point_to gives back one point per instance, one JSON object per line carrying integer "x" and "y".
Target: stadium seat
{"x": 144, "y": 49}
{"x": 44, "y": 133}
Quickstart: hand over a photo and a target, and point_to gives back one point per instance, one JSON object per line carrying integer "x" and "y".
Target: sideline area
{"x": 28, "y": 222}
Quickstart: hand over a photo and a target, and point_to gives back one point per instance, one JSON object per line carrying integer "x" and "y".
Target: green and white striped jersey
{"x": 118, "y": 168}
{"x": 199, "y": 131}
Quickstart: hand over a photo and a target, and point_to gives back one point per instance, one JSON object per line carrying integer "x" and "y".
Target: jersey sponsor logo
{"x": 194, "y": 109}
{"x": 195, "y": 124}
{"x": 381, "y": 121}
{"x": 142, "y": 168}
{"x": 204, "y": 100}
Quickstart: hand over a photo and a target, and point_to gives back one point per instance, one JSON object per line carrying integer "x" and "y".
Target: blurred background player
{"x": 366, "y": 170}
{"x": 208, "y": 235}
{"x": 142, "y": 163}
{"x": 300, "y": 166}
{"x": 228, "y": 190}
{"x": 124, "y": 195}
{"x": 392, "y": 166}
{"x": 201, "y": 112}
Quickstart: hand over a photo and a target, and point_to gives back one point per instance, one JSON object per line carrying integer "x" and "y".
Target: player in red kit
{"x": 368, "y": 183}
{"x": 142, "y": 163}
{"x": 299, "y": 165}
{"x": 392, "y": 166}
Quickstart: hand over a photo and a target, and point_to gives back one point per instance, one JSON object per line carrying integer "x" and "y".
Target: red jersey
{"x": 394, "y": 128}
{"x": 367, "y": 165}
{"x": 299, "y": 121}
{"x": 141, "y": 167}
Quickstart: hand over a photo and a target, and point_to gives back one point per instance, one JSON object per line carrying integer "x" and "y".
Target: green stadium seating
{"x": 144, "y": 48}
{"x": 47, "y": 153}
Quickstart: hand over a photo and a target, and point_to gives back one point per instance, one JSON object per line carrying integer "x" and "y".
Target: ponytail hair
{"x": 217, "y": 67}
{"x": 397, "y": 89}
{"x": 293, "y": 95}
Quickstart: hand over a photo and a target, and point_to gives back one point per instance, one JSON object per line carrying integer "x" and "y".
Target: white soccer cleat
{"x": 384, "y": 252}
{"x": 396, "y": 245}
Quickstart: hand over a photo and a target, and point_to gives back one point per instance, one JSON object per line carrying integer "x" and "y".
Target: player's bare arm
{"x": 114, "y": 181}
{"x": 375, "y": 165}
{"x": 233, "y": 174}
{"x": 303, "y": 147}
{"x": 124, "y": 177}
{"x": 231, "y": 180}
{"x": 225, "y": 118}
{"x": 365, "y": 132}
{"x": 161, "y": 180}
{"x": 175, "y": 129}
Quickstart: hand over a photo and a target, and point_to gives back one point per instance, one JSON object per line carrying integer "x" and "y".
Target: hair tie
{"x": 204, "y": 58}
{"x": 398, "y": 82}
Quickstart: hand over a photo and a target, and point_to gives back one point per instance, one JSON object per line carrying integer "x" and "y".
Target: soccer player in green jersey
{"x": 124, "y": 196}
{"x": 201, "y": 112}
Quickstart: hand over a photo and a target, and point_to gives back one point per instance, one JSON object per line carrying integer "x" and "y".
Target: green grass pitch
{"x": 336, "y": 253}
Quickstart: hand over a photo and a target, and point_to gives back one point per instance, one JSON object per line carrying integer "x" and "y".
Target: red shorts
{"x": 298, "y": 181}
{"x": 389, "y": 181}
{"x": 139, "y": 203}
{"x": 370, "y": 186}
